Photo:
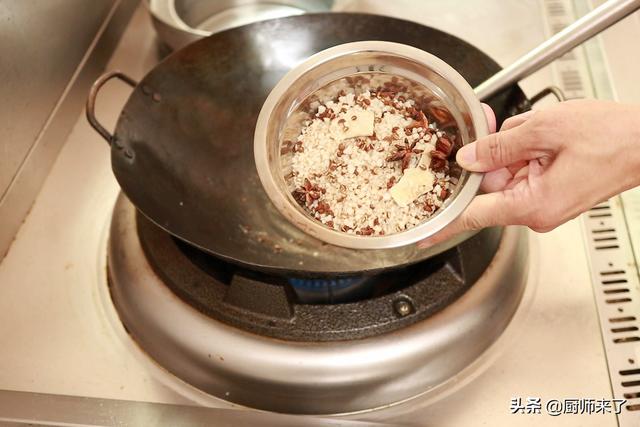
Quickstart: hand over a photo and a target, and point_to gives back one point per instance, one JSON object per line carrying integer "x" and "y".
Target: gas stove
{"x": 67, "y": 315}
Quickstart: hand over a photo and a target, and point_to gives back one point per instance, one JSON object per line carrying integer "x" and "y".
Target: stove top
{"x": 297, "y": 306}
{"x": 213, "y": 324}
{"x": 63, "y": 336}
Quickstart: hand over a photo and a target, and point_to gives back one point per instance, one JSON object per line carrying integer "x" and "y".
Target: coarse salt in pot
{"x": 374, "y": 71}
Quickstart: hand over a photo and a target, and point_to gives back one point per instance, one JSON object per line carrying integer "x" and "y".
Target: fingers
{"x": 510, "y": 145}
{"x": 515, "y": 167}
{"x": 516, "y": 120}
{"x": 496, "y": 150}
{"x": 505, "y": 156}
{"x": 496, "y": 180}
{"x": 484, "y": 211}
{"x": 491, "y": 117}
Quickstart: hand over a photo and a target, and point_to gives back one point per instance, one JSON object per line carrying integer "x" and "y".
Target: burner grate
{"x": 617, "y": 293}
{"x": 315, "y": 309}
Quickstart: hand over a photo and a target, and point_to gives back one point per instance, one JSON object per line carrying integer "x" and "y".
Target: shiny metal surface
{"x": 616, "y": 288}
{"x": 310, "y": 378}
{"x": 50, "y": 55}
{"x": 185, "y": 139}
{"x": 180, "y": 22}
{"x": 21, "y": 408}
{"x": 90, "y": 108}
{"x": 65, "y": 337}
{"x": 583, "y": 29}
{"x": 323, "y": 71}
{"x": 45, "y": 44}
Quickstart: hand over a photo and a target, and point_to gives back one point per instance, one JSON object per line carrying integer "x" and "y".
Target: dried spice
{"x": 403, "y": 153}
{"x": 444, "y": 145}
{"x": 307, "y": 193}
{"x": 347, "y": 182}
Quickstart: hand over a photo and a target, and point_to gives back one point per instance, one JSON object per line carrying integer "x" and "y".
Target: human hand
{"x": 545, "y": 167}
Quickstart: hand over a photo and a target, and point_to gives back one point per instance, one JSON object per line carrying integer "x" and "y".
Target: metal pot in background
{"x": 180, "y": 22}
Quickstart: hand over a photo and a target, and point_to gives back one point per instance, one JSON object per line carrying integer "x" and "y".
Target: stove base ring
{"x": 302, "y": 377}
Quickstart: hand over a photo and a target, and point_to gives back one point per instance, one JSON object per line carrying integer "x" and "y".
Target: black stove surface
{"x": 302, "y": 308}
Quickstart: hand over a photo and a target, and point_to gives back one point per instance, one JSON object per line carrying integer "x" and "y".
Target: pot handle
{"x": 550, "y": 90}
{"x": 583, "y": 29}
{"x": 527, "y": 104}
{"x": 91, "y": 100}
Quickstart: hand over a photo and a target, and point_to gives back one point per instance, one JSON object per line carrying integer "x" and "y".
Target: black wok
{"x": 182, "y": 150}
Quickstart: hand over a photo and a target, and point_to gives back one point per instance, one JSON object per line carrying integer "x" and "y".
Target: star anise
{"x": 420, "y": 121}
{"x": 438, "y": 161}
{"x": 403, "y": 153}
{"x": 306, "y": 194}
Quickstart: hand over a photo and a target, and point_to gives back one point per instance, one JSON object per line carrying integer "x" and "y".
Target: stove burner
{"x": 315, "y": 308}
{"x": 263, "y": 341}
{"x": 331, "y": 291}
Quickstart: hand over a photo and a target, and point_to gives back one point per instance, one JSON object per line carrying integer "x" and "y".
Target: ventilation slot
{"x": 627, "y": 339}
{"x": 625, "y": 329}
{"x": 604, "y": 239}
{"x": 556, "y": 9}
{"x": 604, "y": 230}
{"x": 614, "y": 282}
{"x": 617, "y": 300}
{"x": 600, "y": 215}
{"x": 622, "y": 319}
{"x": 616, "y": 291}
{"x": 617, "y": 296}
{"x": 571, "y": 80}
{"x": 630, "y": 372}
{"x": 612, "y": 272}
{"x": 598, "y": 248}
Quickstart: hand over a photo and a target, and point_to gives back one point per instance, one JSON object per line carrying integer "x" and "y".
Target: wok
{"x": 182, "y": 149}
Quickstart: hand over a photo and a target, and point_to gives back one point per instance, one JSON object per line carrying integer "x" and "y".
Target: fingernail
{"x": 466, "y": 155}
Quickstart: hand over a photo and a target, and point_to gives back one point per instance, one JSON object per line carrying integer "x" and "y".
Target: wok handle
{"x": 91, "y": 100}
{"x": 527, "y": 104}
{"x": 549, "y": 90}
{"x": 575, "y": 34}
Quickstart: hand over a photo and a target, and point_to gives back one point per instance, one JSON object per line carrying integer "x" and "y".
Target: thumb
{"x": 485, "y": 210}
{"x": 496, "y": 150}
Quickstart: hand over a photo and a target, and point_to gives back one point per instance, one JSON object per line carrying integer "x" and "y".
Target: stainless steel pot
{"x": 439, "y": 81}
{"x": 180, "y": 22}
